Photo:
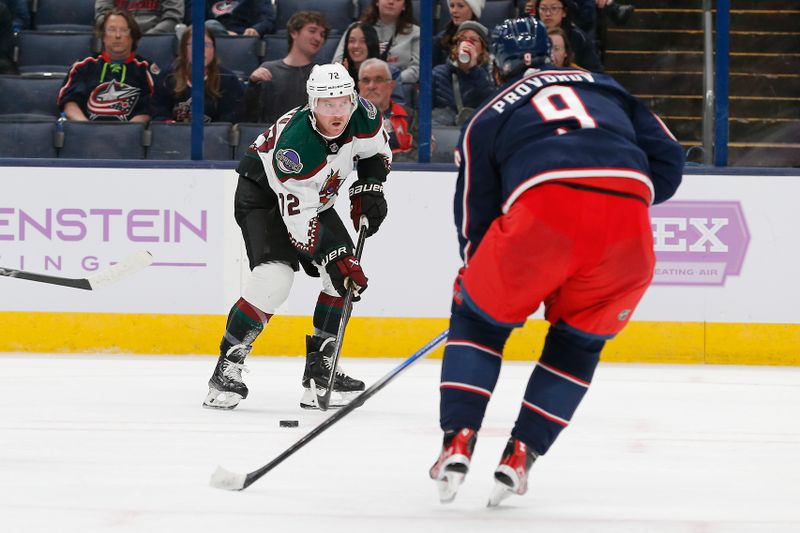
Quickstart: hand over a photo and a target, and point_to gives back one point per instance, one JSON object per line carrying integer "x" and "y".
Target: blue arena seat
{"x": 29, "y": 95}
{"x": 28, "y": 138}
{"x": 243, "y": 135}
{"x": 325, "y": 54}
{"x": 446, "y": 139}
{"x": 338, "y": 13}
{"x": 63, "y": 15}
{"x": 277, "y": 47}
{"x": 172, "y": 141}
{"x": 52, "y": 52}
{"x": 158, "y": 48}
{"x": 240, "y": 54}
{"x": 102, "y": 140}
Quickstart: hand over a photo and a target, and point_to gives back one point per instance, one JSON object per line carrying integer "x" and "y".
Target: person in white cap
{"x": 460, "y": 12}
{"x": 289, "y": 180}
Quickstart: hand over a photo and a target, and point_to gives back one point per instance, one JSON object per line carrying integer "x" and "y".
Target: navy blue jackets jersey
{"x": 565, "y": 125}
{"x": 105, "y": 90}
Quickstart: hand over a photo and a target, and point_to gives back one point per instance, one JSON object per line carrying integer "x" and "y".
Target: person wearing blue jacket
{"x": 463, "y": 82}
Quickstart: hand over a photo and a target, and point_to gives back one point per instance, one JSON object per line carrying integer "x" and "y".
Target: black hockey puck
{"x": 289, "y": 423}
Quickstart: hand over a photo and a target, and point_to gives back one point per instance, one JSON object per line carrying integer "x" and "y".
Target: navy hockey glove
{"x": 366, "y": 199}
{"x": 344, "y": 270}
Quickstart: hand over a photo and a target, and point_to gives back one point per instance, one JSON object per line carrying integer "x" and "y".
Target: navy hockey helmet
{"x": 519, "y": 44}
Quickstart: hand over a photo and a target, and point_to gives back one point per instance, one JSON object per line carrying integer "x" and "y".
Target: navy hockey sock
{"x": 556, "y": 386}
{"x": 327, "y": 315}
{"x": 472, "y": 358}
{"x": 245, "y": 323}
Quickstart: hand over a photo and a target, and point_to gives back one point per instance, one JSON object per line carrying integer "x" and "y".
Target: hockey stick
{"x": 130, "y": 265}
{"x": 225, "y": 479}
{"x": 323, "y": 400}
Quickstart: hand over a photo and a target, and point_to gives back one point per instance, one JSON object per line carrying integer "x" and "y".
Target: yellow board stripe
{"x": 641, "y": 342}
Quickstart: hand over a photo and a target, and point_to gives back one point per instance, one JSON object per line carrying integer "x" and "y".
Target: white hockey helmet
{"x": 329, "y": 81}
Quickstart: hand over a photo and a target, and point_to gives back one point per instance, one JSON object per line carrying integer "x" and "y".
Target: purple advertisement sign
{"x": 698, "y": 243}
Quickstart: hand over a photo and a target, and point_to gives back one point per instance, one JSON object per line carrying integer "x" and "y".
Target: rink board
{"x": 725, "y": 289}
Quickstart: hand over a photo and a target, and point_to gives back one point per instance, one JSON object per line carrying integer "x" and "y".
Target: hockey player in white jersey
{"x": 288, "y": 183}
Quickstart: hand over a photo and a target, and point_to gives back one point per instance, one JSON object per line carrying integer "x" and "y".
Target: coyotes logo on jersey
{"x": 330, "y": 187}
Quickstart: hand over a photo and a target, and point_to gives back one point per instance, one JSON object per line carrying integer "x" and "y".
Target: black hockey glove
{"x": 366, "y": 199}
{"x": 344, "y": 270}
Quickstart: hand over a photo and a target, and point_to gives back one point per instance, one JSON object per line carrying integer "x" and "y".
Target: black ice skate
{"x": 511, "y": 475}
{"x": 226, "y": 388}
{"x": 453, "y": 463}
{"x": 319, "y": 355}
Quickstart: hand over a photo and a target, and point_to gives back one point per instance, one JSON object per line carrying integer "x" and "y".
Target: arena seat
{"x": 63, "y": 15}
{"x": 172, "y": 141}
{"x": 53, "y": 52}
{"x": 34, "y": 96}
{"x": 240, "y": 54}
{"x": 102, "y": 140}
{"x": 27, "y": 138}
{"x": 446, "y": 139}
{"x": 325, "y": 54}
{"x": 243, "y": 134}
{"x": 158, "y": 48}
{"x": 277, "y": 47}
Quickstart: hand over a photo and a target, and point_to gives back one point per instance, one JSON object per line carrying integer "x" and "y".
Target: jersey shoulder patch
{"x": 366, "y": 120}
{"x": 298, "y": 149}
{"x": 369, "y": 107}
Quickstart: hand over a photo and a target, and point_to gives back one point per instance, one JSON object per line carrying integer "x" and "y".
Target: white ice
{"x": 109, "y": 443}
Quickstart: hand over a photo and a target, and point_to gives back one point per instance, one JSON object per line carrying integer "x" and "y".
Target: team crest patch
{"x": 330, "y": 187}
{"x": 372, "y": 111}
{"x": 289, "y": 161}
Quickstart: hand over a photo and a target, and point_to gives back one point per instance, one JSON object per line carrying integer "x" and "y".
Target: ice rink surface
{"x": 109, "y": 443}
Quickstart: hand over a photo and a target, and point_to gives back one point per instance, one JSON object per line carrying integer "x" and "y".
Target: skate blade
{"x": 448, "y": 487}
{"x": 216, "y": 399}
{"x": 500, "y": 492}
{"x": 337, "y": 401}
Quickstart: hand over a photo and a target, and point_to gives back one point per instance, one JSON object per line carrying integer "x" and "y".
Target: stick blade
{"x": 223, "y": 478}
{"x": 128, "y": 266}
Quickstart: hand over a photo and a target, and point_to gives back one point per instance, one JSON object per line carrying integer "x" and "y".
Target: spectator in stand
{"x": 152, "y": 16}
{"x": 398, "y": 34}
{"x": 7, "y": 65}
{"x": 460, "y": 11}
{"x": 172, "y": 99}
{"x": 618, "y": 14}
{"x": 461, "y": 84}
{"x": 375, "y": 83}
{"x": 280, "y": 85}
{"x": 555, "y": 14}
{"x": 251, "y": 18}
{"x": 561, "y": 52}
{"x": 584, "y": 13}
{"x": 362, "y": 44}
{"x": 115, "y": 84}
{"x": 20, "y": 15}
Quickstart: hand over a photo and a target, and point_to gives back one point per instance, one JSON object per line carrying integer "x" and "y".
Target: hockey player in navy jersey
{"x": 556, "y": 174}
